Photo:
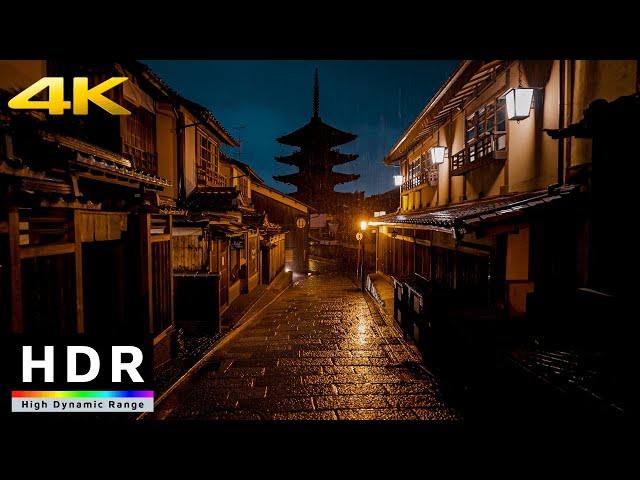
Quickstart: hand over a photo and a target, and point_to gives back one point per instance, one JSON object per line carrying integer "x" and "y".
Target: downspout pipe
{"x": 561, "y": 100}
{"x": 180, "y": 155}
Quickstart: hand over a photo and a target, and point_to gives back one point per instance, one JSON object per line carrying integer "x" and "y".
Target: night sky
{"x": 376, "y": 100}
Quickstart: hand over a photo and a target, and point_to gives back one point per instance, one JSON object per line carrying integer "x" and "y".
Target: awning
{"x": 466, "y": 217}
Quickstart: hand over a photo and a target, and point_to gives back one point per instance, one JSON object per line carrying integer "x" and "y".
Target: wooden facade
{"x": 495, "y": 222}
{"x": 85, "y": 250}
{"x": 293, "y": 216}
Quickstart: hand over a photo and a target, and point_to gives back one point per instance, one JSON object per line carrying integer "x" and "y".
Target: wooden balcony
{"x": 482, "y": 151}
{"x": 428, "y": 177}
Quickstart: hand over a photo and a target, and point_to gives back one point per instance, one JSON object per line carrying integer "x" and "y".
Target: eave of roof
{"x": 464, "y": 81}
{"x": 208, "y": 119}
{"x": 198, "y": 110}
{"x": 458, "y": 219}
{"x": 272, "y": 191}
{"x": 456, "y": 73}
{"x": 244, "y": 166}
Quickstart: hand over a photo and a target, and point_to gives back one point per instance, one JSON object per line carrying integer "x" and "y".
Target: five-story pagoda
{"x": 315, "y": 158}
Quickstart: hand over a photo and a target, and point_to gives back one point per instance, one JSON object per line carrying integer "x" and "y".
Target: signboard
{"x": 301, "y": 222}
{"x": 237, "y": 243}
{"x": 359, "y": 236}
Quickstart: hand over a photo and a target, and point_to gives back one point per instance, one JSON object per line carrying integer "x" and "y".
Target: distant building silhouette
{"x": 315, "y": 159}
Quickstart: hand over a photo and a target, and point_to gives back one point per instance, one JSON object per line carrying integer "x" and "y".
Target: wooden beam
{"x": 160, "y": 238}
{"x": 77, "y": 238}
{"x": 146, "y": 268}
{"x": 31, "y": 251}
{"x": 170, "y": 228}
{"x": 15, "y": 273}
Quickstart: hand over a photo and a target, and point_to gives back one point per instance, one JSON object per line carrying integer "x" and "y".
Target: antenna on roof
{"x": 239, "y": 130}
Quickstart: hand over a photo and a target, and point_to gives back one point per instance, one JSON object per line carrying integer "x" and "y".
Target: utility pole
{"x": 238, "y": 135}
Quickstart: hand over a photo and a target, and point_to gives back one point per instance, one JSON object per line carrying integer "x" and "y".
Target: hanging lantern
{"x": 518, "y": 102}
{"x": 397, "y": 180}
{"x": 437, "y": 154}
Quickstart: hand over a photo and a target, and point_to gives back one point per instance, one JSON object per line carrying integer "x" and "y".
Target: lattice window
{"x": 207, "y": 160}
{"x": 139, "y": 139}
{"x": 490, "y": 118}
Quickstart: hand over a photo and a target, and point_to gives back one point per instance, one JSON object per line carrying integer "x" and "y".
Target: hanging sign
{"x": 359, "y": 236}
{"x": 301, "y": 222}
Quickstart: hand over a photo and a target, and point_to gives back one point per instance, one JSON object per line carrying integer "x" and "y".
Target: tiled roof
{"x": 197, "y": 109}
{"x": 246, "y": 167}
{"x": 463, "y": 217}
{"x": 206, "y": 115}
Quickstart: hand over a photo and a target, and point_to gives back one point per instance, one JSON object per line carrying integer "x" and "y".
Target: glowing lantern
{"x": 437, "y": 154}
{"x": 518, "y": 102}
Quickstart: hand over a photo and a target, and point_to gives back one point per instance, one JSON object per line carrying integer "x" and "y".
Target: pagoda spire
{"x": 316, "y": 96}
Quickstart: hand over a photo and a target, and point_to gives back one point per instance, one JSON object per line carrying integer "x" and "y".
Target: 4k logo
{"x": 82, "y": 95}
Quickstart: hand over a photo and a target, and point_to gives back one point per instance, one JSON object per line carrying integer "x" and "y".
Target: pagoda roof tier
{"x": 305, "y": 178}
{"x": 316, "y": 132}
{"x": 333, "y": 157}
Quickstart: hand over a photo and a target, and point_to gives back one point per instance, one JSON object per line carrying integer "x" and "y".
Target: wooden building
{"x": 293, "y": 216}
{"x": 107, "y": 221}
{"x": 84, "y": 246}
{"x": 272, "y": 245}
{"x": 492, "y": 209}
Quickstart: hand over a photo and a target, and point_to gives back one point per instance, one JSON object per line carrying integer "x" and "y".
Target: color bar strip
{"x": 83, "y": 394}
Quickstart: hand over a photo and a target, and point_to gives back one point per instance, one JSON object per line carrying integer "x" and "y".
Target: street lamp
{"x": 518, "y": 102}
{"x": 360, "y": 237}
{"x": 437, "y": 154}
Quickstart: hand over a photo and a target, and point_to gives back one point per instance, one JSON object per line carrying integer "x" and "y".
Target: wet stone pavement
{"x": 321, "y": 351}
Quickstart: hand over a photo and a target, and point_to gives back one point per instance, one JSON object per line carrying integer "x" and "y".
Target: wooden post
{"x": 17, "y": 324}
{"x": 171, "y": 286}
{"x": 146, "y": 268}
{"x": 77, "y": 238}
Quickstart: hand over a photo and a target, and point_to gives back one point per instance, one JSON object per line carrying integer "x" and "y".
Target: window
{"x": 139, "y": 138}
{"x": 414, "y": 171}
{"x": 489, "y": 119}
{"x": 207, "y": 167}
{"x": 415, "y": 167}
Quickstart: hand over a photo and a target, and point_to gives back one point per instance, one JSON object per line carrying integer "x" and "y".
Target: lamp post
{"x": 360, "y": 237}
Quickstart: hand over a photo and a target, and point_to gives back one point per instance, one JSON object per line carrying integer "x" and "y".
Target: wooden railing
{"x": 215, "y": 180}
{"x": 414, "y": 182}
{"x": 427, "y": 177}
{"x": 479, "y": 152}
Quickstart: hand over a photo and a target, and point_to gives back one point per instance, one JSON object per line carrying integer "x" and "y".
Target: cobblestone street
{"x": 320, "y": 351}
